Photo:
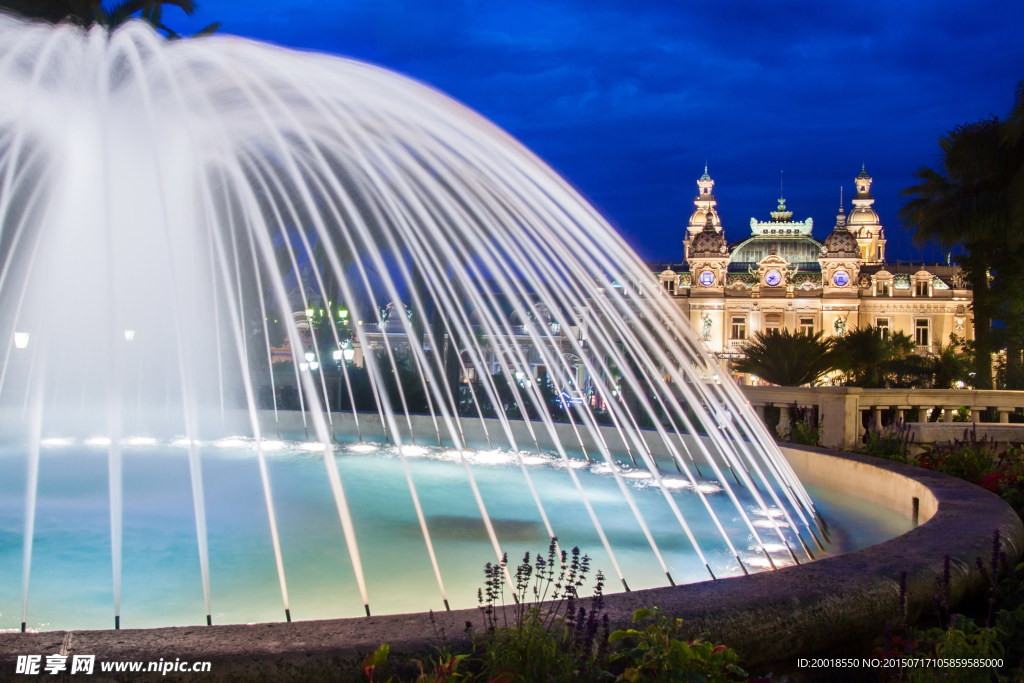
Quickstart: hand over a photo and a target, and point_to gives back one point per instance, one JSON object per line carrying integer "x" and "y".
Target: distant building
{"x": 781, "y": 277}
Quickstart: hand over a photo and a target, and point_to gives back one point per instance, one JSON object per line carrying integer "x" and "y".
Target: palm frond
{"x": 787, "y": 359}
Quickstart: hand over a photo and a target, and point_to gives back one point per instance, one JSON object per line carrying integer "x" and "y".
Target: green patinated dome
{"x": 797, "y": 249}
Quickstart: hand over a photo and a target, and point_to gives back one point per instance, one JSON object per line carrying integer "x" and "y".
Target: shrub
{"x": 805, "y": 434}
{"x": 557, "y": 640}
{"x": 991, "y": 628}
{"x": 971, "y": 459}
{"x": 561, "y": 640}
{"x": 657, "y": 652}
{"x": 891, "y": 442}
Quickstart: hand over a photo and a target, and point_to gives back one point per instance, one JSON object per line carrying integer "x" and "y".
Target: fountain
{"x": 167, "y": 207}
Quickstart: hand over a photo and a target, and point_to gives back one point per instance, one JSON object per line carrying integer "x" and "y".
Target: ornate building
{"x": 781, "y": 277}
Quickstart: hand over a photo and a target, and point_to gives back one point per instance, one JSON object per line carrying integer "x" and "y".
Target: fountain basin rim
{"x": 767, "y": 617}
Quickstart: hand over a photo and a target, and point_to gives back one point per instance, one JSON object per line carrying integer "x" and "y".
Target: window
{"x": 807, "y": 326}
{"x": 922, "y": 288}
{"x": 883, "y": 327}
{"x": 772, "y": 321}
{"x": 921, "y": 332}
{"x": 670, "y": 286}
{"x": 739, "y": 327}
{"x": 884, "y": 289}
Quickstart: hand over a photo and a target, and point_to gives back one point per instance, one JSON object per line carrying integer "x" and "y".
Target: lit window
{"x": 772, "y": 321}
{"x": 883, "y": 327}
{"x": 921, "y": 332}
{"x": 807, "y": 326}
{"x": 739, "y": 327}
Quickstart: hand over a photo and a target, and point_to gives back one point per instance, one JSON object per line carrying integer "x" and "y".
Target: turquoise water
{"x": 71, "y": 580}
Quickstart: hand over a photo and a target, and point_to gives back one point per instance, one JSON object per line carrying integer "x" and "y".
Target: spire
{"x": 705, "y": 186}
{"x": 863, "y": 184}
{"x": 782, "y": 214}
{"x": 704, "y": 211}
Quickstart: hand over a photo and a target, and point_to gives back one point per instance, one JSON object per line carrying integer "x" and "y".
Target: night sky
{"x": 627, "y": 99}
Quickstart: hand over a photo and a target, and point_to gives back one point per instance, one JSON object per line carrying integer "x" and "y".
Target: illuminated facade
{"x": 781, "y": 277}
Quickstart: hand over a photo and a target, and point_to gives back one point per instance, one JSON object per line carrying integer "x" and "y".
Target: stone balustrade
{"x": 844, "y": 412}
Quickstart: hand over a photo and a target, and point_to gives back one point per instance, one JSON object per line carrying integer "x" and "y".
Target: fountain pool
{"x": 72, "y": 582}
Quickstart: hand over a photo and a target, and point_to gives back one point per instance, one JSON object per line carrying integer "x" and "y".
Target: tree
{"x": 90, "y": 12}
{"x": 950, "y": 365}
{"x": 868, "y": 358}
{"x": 974, "y": 206}
{"x": 787, "y": 359}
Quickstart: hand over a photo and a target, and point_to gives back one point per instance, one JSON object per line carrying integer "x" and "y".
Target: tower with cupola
{"x": 704, "y": 205}
{"x": 864, "y": 223}
{"x": 840, "y": 260}
{"x": 708, "y": 259}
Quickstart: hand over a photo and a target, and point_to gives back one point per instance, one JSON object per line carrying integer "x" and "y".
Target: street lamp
{"x": 345, "y": 353}
{"x": 310, "y": 363}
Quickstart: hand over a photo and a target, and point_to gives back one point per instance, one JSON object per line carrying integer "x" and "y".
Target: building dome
{"x": 796, "y": 250}
{"x": 700, "y": 216}
{"x": 841, "y": 241}
{"x": 708, "y": 241}
{"x": 863, "y": 215}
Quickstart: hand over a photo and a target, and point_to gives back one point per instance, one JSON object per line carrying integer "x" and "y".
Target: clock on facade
{"x": 707, "y": 278}
{"x": 840, "y": 279}
{"x": 772, "y": 278}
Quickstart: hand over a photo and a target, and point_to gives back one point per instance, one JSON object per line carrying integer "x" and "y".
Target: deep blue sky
{"x": 627, "y": 99}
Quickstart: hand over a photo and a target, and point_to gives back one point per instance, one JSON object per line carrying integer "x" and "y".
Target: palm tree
{"x": 950, "y": 365}
{"x": 870, "y": 358}
{"x": 90, "y": 12}
{"x": 969, "y": 206}
{"x": 787, "y": 359}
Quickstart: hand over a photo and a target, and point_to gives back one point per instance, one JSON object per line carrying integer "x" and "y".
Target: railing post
{"x": 784, "y": 424}
{"x": 840, "y": 418}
